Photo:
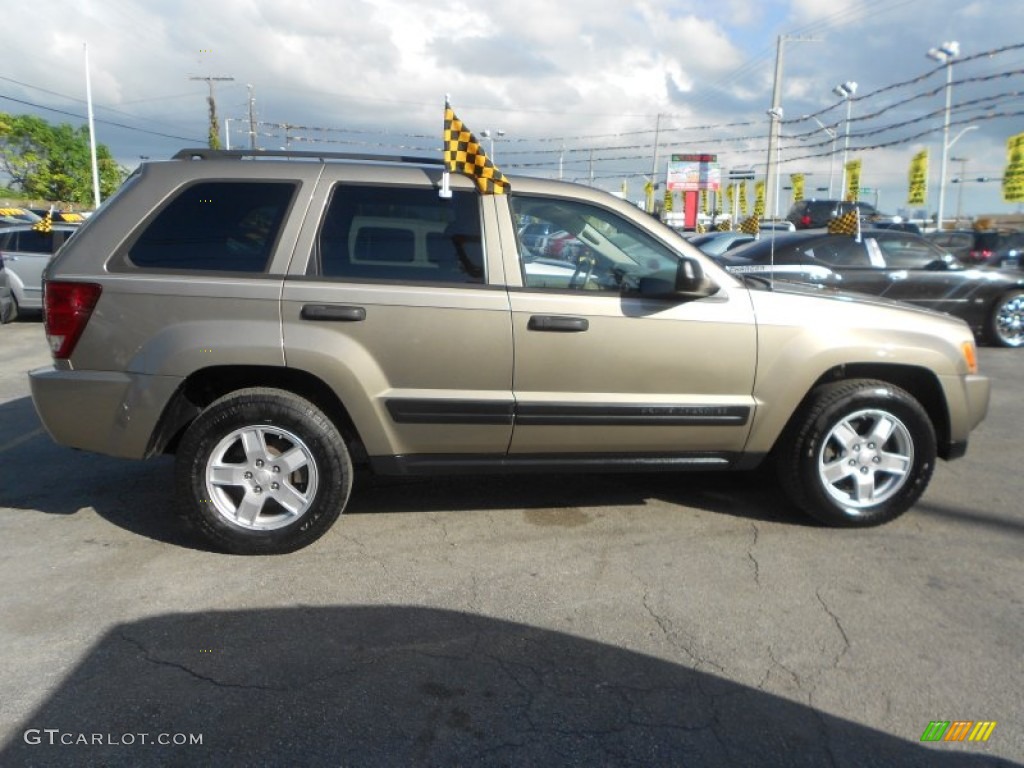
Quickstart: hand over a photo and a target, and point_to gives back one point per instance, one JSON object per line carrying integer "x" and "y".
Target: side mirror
{"x": 937, "y": 265}
{"x": 689, "y": 282}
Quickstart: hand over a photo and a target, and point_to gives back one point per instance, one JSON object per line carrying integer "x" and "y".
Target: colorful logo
{"x": 958, "y": 730}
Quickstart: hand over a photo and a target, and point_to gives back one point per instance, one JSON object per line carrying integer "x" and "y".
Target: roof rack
{"x": 241, "y": 154}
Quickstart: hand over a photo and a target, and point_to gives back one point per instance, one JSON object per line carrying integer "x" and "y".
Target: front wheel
{"x": 262, "y": 471}
{"x": 1006, "y": 325}
{"x": 859, "y": 453}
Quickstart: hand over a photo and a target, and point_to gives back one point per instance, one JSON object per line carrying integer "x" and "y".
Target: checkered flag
{"x": 750, "y": 225}
{"x": 847, "y": 224}
{"x": 463, "y": 154}
{"x": 45, "y": 224}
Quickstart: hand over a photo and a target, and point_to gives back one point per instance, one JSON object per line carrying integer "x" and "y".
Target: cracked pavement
{"x": 618, "y": 620}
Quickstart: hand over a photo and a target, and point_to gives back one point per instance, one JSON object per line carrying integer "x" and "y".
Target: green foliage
{"x": 49, "y": 162}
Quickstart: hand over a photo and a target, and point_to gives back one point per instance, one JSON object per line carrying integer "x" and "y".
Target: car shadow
{"x": 410, "y": 686}
{"x": 138, "y": 496}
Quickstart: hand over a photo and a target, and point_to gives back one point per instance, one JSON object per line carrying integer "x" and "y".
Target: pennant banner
{"x": 1013, "y": 176}
{"x": 918, "y": 179}
{"x": 463, "y": 154}
{"x": 853, "y": 181}
{"x": 796, "y": 181}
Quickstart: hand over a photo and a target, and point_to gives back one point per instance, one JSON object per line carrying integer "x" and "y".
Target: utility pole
{"x": 214, "y": 125}
{"x": 771, "y": 202}
{"x": 654, "y": 163}
{"x": 252, "y": 119}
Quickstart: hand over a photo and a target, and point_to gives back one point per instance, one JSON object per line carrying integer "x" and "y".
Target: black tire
{"x": 231, "y": 488}
{"x": 859, "y": 453}
{"x": 1006, "y": 323}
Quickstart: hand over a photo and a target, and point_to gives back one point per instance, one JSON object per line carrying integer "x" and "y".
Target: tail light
{"x": 805, "y": 220}
{"x": 67, "y": 308}
{"x": 981, "y": 256}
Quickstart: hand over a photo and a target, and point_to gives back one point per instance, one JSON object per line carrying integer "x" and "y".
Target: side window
{"x": 403, "y": 234}
{"x": 568, "y": 245}
{"x": 216, "y": 226}
{"x": 842, "y": 252}
{"x": 31, "y": 241}
{"x": 906, "y": 253}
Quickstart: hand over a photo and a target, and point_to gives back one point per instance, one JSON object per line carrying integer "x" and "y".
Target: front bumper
{"x": 967, "y": 398}
{"x": 101, "y": 411}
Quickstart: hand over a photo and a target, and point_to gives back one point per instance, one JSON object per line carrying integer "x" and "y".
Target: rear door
{"x": 395, "y": 300}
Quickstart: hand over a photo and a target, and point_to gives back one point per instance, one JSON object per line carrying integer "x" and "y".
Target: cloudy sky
{"x": 580, "y": 87}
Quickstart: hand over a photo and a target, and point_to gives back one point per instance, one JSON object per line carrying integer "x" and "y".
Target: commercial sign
{"x": 693, "y": 172}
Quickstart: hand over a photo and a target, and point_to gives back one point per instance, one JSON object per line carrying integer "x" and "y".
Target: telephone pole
{"x": 771, "y": 202}
{"x": 214, "y": 125}
{"x": 252, "y": 119}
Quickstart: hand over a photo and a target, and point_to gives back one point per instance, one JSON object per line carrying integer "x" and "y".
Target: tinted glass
{"x": 408, "y": 235}
{"x": 31, "y": 241}
{"x": 219, "y": 226}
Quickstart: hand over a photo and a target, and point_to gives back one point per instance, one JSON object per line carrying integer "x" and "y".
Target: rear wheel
{"x": 262, "y": 471}
{"x": 1006, "y": 326}
{"x": 860, "y": 453}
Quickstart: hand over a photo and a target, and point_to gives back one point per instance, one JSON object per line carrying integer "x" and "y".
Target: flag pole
{"x": 445, "y": 190}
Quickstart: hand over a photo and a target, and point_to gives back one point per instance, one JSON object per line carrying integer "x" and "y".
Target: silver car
{"x": 25, "y": 252}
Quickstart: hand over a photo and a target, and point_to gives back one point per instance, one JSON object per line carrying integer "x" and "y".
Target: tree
{"x": 50, "y": 162}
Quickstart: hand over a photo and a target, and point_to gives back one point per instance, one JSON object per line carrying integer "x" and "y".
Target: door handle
{"x": 557, "y": 323}
{"x": 333, "y": 312}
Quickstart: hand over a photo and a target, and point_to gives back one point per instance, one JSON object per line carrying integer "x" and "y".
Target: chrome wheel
{"x": 261, "y": 478}
{"x": 1008, "y": 320}
{"x": 865, "y": 459}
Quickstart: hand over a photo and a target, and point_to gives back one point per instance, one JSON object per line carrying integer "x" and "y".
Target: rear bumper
{"x": 101, "y": 411}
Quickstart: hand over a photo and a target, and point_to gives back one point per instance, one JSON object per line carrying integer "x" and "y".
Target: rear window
{"x": 32, "y": 241}
{"x": 216, "y": 226}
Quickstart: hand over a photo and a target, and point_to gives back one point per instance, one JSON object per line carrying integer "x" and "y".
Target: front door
{"x": 600, "y": 369}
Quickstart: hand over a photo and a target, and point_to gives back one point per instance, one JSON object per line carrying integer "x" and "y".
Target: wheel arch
{"x": 921, "y": 383}
{"x": 204, "y": 386}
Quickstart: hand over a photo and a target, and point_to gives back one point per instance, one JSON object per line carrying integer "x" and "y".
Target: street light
{"x": 944, "y": 54}
{"x": 960, "y": 190}
{"x": 833, "y": 134}
{"x": 487, "y": 134}
{"x": 845, "y": 91}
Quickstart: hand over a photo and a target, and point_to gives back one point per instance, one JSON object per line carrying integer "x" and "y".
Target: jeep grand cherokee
{"x": 276, "y": 321}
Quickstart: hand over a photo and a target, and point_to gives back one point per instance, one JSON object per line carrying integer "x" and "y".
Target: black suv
{"x": 812, "y": 214}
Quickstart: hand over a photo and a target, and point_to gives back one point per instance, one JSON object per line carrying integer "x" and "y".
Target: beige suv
{"x": 278, "y": 321}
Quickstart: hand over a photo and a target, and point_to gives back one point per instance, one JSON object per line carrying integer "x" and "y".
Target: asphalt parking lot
{"x": 553, "y": 620}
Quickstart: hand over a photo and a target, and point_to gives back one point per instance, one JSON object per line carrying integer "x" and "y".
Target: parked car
{"x": 25, "y": 253}
{"x": 276, "y": 324}
{"x": 11, "y": 215}
{"x": 60, "y": 217}
{"x": 901, "y": 226}
{"x": 716, "y": 243}
{"x": 814, "y": 214}
{"x": 6, "y": 299}
{"x": 988, "y": 247}
{"x": 895, "y": 265}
